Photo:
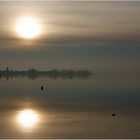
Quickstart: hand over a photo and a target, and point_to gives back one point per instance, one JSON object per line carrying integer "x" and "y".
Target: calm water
{"x": 71, "y": 108}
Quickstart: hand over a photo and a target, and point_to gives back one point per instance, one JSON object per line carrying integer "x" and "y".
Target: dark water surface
{"x": 71, "y": 108}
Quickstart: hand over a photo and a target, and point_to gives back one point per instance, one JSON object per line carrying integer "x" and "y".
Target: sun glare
{"x": 28, "y": 27}
{"x": 27, "y": 118}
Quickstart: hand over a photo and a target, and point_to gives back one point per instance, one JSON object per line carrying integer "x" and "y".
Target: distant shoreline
{"x": 54, "y": 73}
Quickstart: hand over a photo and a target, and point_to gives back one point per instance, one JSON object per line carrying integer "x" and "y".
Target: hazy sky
{"x": 95, "y": 35}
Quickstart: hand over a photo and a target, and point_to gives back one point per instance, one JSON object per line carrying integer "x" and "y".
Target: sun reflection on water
{"x": 27, "y": 118}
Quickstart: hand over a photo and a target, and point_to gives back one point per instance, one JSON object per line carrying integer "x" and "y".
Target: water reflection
{"x": 71, "y": 108}
{"x": 27, "y": 118}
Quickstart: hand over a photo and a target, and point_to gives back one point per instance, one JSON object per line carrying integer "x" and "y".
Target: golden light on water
{"x": 27, "y": 118}
{"x": 28, "y": 27}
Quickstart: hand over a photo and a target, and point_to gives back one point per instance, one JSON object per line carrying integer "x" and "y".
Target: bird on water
{"x": 42, "y": 87}
{"x": 113, "y": 114}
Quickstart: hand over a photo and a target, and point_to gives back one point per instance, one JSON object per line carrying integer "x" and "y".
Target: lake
{"x": 71, "y": 108}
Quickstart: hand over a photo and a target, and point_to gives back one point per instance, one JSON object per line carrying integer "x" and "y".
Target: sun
{"x": 28, "y": 27}
{"x": 27, "y": 118}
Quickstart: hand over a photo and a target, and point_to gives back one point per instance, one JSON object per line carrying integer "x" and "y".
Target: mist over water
{"x": 70, "y": 108}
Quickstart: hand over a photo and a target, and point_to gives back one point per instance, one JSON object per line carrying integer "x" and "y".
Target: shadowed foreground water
{"x": 71, "y": 108}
